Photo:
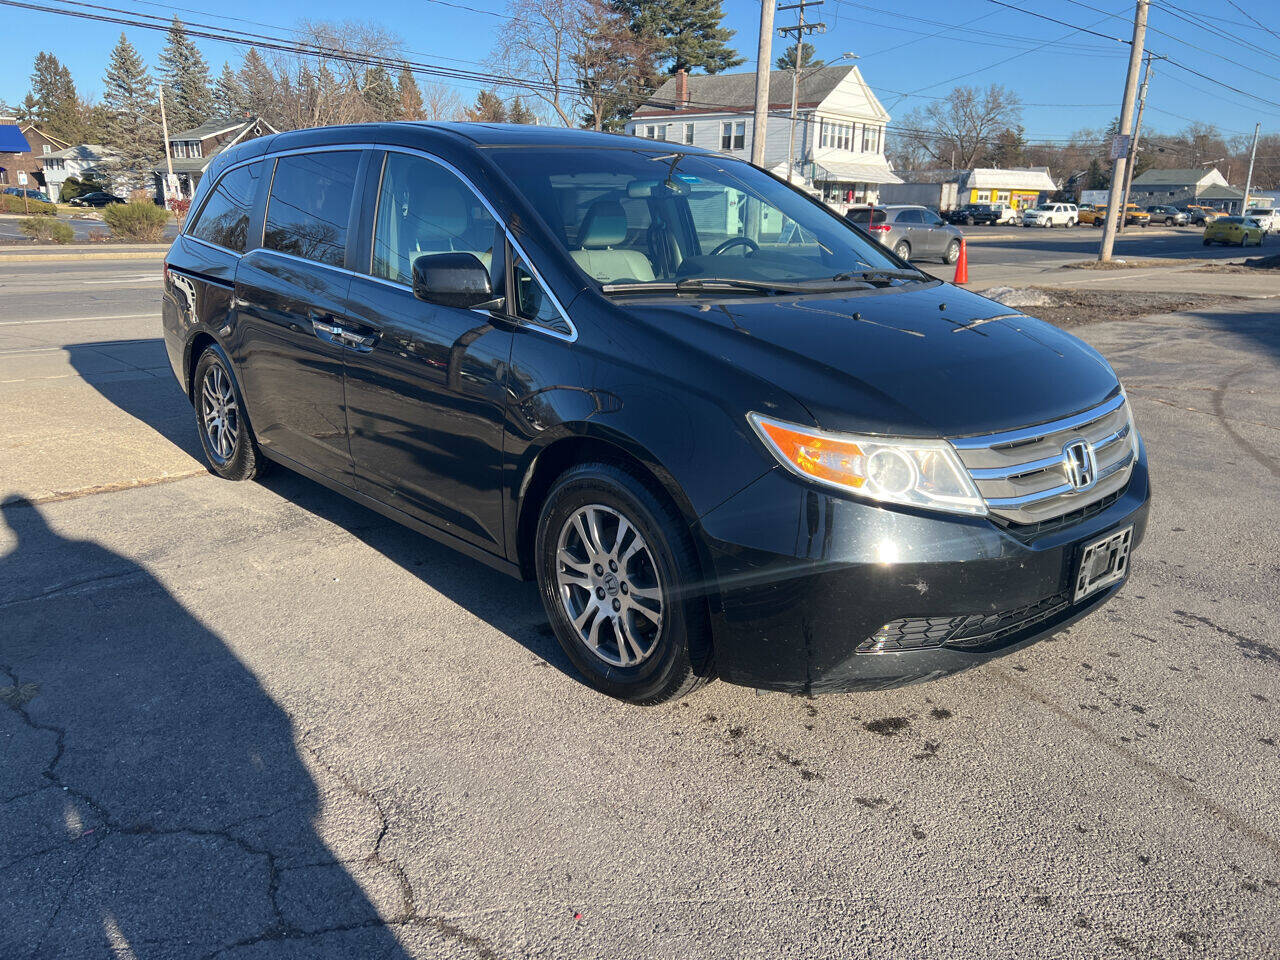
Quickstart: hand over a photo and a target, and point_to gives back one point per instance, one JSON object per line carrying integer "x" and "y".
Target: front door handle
{"x": 330, "y": 331}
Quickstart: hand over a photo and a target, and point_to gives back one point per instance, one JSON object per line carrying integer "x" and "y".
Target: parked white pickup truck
{"x": 1268, "y": 217}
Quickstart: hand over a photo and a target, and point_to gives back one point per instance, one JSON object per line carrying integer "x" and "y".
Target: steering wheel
{"x": 736, "y": 242}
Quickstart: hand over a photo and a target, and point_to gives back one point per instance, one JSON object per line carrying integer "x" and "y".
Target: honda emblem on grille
{"x": 1080, "y": 464}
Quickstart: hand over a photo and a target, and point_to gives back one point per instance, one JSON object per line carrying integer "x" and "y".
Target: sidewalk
{"x": 1261, "y": 284}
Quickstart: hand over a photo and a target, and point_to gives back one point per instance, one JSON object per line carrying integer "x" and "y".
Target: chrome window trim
{"x": 1026, "y": 434}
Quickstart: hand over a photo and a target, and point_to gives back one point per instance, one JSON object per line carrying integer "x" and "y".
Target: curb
{"x": 57, "y": 257}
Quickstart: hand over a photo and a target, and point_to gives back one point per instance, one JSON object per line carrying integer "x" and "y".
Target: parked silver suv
{"x": 911, "y": 232}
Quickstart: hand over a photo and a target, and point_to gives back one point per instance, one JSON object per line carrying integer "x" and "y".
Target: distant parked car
{"x": 1051, "y": 215}
{"x": 1132, "y": 214}
{"x": 98, "y": 198}
{"x": 1090, "y": 214}
{"x": 1237, "y": 230}
{"x": 1199, "y": 216}
{"x": 35, "y": 195}
{"x": 1268, "y": 217}
{"x": 1169, "y": 216}
{"x": 909, "y": 231}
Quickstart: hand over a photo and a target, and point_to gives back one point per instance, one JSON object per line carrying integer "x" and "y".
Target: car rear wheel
{"x": 953, "y": 252}
{"x": 619, "y": 577}
{"x": 903, "y": 250}
{"x": 230, "y": 449}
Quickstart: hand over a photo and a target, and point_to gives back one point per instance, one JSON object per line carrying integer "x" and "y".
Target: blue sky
{"x": 1067, "y": 81}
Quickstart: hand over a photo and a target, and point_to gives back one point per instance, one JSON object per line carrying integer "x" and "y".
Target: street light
{"x": 795, "y": 90}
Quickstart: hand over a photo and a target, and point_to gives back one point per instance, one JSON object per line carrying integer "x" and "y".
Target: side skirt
{"x": 500, "y": 564}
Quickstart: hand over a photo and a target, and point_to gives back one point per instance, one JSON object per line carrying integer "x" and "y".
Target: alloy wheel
{"x": 219, "y": 413}
{"x": 609, "y": 585}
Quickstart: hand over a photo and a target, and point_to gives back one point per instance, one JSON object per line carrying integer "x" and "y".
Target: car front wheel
{"x": 620, "y": 581}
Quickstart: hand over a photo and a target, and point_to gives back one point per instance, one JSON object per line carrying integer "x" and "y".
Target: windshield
{"x": 639, "y": 216}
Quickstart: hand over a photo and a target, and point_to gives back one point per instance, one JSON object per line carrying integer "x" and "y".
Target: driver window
{"x": 423, "y": 209}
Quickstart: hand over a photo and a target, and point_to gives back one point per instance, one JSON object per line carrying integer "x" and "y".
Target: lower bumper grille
{"x": 965, "y": 631}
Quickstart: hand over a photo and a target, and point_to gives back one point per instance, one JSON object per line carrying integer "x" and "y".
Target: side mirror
{"x": 453, "y": 280}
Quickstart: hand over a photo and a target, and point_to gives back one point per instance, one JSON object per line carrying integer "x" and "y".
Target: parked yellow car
{"x": 1238, "y": 230}
{"x": 1133, "y": 214}
{"x": 1091, "y": 214}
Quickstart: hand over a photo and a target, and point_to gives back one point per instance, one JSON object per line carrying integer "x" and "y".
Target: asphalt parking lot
{"x": 255, "y": 720}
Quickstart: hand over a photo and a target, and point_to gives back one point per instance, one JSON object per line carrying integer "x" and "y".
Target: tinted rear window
{"x": 224, "y": 219}
{"x": 865, "y": 216}
{"x": 310, "y": 205}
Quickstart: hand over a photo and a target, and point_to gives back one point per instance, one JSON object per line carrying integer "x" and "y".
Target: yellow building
{"x": 1020, "y": 187}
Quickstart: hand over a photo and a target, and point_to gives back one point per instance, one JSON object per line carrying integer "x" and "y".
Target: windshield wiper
{"x": 885, "y": 274}
{"x": 696, "y": 284}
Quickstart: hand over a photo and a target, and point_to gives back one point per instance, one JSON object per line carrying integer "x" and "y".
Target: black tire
{"x": 245, "y": 460}
{"x": 903, "y": 250}
{"x": 1206, "y": 242}
{"x": 680, "y": 657}
{"x": 953, "y": 252}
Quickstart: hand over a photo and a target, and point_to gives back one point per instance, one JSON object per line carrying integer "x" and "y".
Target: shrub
{"x": 46, "y": 229}
{"x": 11, "y": 204}
{"x": 71, "y": 187}
{"x": 180, "y": 208}
{"x": 142, "y": 222}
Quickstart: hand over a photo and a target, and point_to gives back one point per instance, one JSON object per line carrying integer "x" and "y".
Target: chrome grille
{"x": 1023, "y": 474}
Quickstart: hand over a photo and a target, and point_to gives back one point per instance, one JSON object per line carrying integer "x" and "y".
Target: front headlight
{"x": 918, "y": 473}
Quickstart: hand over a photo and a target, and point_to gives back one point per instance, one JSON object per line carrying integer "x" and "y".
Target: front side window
{"x": 641, "y": 216}
{"x": 532, "y": 302}
{"x": 425, "y": 209}
{"x": 224, "y": 219}
{"x": 310, "y": 205}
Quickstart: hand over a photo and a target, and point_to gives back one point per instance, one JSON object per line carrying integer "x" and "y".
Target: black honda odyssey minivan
{"x": 728, "y": 433}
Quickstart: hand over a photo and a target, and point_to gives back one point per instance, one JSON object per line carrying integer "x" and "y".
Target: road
{"x": 255, "y": 720}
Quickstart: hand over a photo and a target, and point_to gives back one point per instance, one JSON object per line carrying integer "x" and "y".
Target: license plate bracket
{"x": 1103, "y": 562}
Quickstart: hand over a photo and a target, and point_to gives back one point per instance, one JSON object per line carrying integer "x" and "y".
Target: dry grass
{"x": 1132, "y": 263}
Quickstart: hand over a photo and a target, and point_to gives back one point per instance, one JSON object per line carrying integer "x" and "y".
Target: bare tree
{"x": 614, "y": 64}
{"x": 539, "y": 45}
{"x": 440, "y": 102}
{"x": 964, "y": 126}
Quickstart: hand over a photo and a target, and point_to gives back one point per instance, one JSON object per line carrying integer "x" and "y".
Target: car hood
{"x": 925, "y": 360}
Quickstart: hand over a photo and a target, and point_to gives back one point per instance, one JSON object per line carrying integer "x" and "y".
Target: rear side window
{"x": 224, "y": 219}
{"x": 310, "y": 205}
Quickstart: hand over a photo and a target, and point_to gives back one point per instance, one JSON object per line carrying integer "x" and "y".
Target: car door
{"x": 908, "y": 224}
{"x": 938, "y": 234}
{"x": 426, "y": 401}
{"x": 292, "y": 295}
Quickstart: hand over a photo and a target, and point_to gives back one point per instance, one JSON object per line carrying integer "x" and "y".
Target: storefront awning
{"x": 849, "y": 172}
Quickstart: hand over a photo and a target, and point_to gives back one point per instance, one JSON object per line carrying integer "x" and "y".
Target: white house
{"x": 85, "y": 159}
{"x": 839, "y": 131}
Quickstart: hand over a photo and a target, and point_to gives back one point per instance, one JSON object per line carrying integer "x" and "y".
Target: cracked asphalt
{"x": 255, "y": 720}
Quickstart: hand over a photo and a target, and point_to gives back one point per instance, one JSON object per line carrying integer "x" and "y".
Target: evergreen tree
{"x": 689, "y": 33}
{"x": 1097, "y": 178}
{"x": 185, "y": 76}
{"x": 519, "y": 113}
{"x": 259, "y": 86}
{"x": 379, "y": 93}
{"x": 53, "y": 104}
{"x": 488, "y": 108}
{"x": 228, "y": 94}
{"x": 132, "y": 115}
{"x": 410, "y": 96}
{"x": 807, "y": 58}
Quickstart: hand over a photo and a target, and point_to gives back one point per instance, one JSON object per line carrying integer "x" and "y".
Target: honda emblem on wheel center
{"x": 1080, "y": 463}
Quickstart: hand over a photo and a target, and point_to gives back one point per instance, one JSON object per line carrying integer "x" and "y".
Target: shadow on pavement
{"x": 508, "y": 605}
{"x": 154, "y": 800}
{"x": 135, "y": 376}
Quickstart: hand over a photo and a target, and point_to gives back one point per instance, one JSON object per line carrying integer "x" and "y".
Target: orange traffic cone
{"x": 962, "y": 264}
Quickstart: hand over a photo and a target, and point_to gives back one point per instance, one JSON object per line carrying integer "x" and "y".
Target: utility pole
{"x": 1248, "y": 180}
{"x": 763, "y": 67}
{"x": 1133, "y": 144}
{"x": 800, "y": 30}
{"x": 168, "y": 158}
{"x": 1114, "y": 210}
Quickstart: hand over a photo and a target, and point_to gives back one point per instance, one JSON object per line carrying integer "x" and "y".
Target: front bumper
{"x": 803, "y": 578}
